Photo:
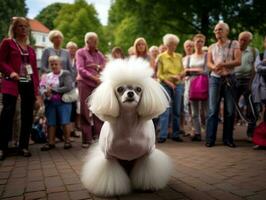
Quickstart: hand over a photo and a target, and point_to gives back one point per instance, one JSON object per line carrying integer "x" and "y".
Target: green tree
{"x": 8, "y": 9}
{"x": 183, "y": 17}
{"x": 49, "y": 14}
{"x": 75, "y": 20}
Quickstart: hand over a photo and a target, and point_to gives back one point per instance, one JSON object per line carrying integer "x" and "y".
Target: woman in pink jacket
{"x": 20, "y": 77}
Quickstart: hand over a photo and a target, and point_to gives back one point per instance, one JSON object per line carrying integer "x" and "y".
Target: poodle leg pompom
{"x": 104, "y": 177}
{"x": 151, "y": 172}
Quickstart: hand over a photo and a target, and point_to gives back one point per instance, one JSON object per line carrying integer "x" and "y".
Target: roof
{"x": 38, "y": 26}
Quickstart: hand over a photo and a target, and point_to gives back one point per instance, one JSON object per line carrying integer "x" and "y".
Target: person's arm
{"x": 210, "y": 62}
{"x": 44, "y": 61}
{"x": 70, "y": 67}
{"x": 67, "y": 83}
{"x": 5, "y": 68}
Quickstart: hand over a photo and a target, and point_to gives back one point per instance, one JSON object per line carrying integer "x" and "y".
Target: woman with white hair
{"x": 56, "y": 37}
{"x": 52, "y": 87}
{"x": 90, "y": 62}
{"x": 170, "y": 73}
{"x": 154, "y": 52}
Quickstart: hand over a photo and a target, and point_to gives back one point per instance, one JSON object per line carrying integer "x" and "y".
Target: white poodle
{"x": 126, "y": 157}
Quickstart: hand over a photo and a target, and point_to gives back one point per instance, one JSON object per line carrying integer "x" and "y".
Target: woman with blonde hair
{"x": 18, "y": 66}
{"x": 141, "y": 49}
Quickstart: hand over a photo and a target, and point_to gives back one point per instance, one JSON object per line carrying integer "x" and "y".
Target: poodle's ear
{"x": 103, "y": 102}
{"x": 154, "y": 100}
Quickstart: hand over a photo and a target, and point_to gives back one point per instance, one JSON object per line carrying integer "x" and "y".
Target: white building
{"x": 40, "y": 34}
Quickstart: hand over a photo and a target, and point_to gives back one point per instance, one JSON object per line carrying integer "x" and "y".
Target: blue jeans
{"x": 217, "y": 90}
{"x": 176, "y": 98}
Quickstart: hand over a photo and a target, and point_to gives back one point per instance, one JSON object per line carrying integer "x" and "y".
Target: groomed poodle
{"x": 125, "y": 157}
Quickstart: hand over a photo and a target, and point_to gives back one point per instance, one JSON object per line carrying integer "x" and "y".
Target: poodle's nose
{"x": 130, "y": 94}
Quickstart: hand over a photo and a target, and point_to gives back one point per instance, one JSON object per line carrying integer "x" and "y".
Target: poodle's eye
{"x": 138, "y": 89}
{"x": 120, "y": 89}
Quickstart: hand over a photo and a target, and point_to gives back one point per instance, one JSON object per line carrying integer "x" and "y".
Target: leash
{"x": 250, "y": 102}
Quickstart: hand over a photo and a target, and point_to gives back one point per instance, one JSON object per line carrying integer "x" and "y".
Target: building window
{"x": 43, "y": 38}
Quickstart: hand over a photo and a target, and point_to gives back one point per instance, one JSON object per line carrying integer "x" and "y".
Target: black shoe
{"x": 209, "y": 144}
{"x": 161, "y": 140}
{"x": 177, "y": 139}
{"x": 230, "y": 144}
{"x": 196, "y": 138}
{"x": 25, "y": 152}
{"x": 2, "y": 155}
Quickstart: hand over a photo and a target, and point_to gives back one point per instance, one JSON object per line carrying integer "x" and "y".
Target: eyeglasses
{"x": 218, "y": 29}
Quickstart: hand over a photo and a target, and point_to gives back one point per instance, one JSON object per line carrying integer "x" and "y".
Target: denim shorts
{"x": 57, "y": 112}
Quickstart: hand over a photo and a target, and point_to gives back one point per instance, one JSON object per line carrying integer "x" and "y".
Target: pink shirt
{"x": 85, "y": 58}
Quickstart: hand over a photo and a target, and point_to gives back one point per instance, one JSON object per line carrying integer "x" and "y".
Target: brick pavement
{"x": 200, "y": 173}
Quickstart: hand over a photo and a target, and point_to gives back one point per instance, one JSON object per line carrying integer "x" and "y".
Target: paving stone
{"x": 35, "y": 186}
{"x": 14, "y": 198}
{"x": 35, "y": 195}
{"x": 53, "y": 182}
{"x": 56, "y": 189}
{"x": 200, "y": 173}
{"x": 57, "y": 196}
{"x": 77, "y": 195}
{"x": 75, "y": 187}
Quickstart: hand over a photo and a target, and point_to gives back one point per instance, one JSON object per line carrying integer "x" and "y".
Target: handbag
{"x": 70, "y": 96}
{"x": 199, "y": 87}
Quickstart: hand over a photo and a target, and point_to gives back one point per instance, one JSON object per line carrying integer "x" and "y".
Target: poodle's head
{"x": 128, "y": 85}
{"x": 128, "y": 95}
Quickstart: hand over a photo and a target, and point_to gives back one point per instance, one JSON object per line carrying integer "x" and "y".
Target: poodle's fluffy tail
{"x": 104, "y": 177}
{"x": 152, "y": 172}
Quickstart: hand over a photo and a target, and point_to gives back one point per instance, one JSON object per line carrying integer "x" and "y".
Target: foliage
{"x": 8, "y": 9}
{"x": 75, "y": 20}
{"x": 129, "y": 19}
{"x": 49, "y": 14}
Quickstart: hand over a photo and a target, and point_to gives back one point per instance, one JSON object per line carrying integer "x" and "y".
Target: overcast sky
{"x": 102, "y": 6}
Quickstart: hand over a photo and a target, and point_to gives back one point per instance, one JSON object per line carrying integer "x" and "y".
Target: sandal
{"x": 67, "y": 145}
{"x": 47, "y": 147}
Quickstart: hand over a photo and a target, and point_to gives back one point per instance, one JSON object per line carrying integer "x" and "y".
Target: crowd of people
{"x": 205, "y": 86}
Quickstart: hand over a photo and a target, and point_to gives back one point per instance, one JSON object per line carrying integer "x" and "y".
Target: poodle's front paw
{"x": 104, "y": 177}
{"x": 151, "y": 172}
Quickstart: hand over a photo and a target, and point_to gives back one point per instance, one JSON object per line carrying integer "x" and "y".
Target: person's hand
{"x": 170, "y": 84}
{"x": 14, "y": 76}
{"x": 96, "y": 78}
{"x": 176, "y": 77}
{"x": 48, "y": 92}
{"x": 95, "y": 66}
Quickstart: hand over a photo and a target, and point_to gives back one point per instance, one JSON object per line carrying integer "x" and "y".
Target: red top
{"x": 10, "y": 61}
